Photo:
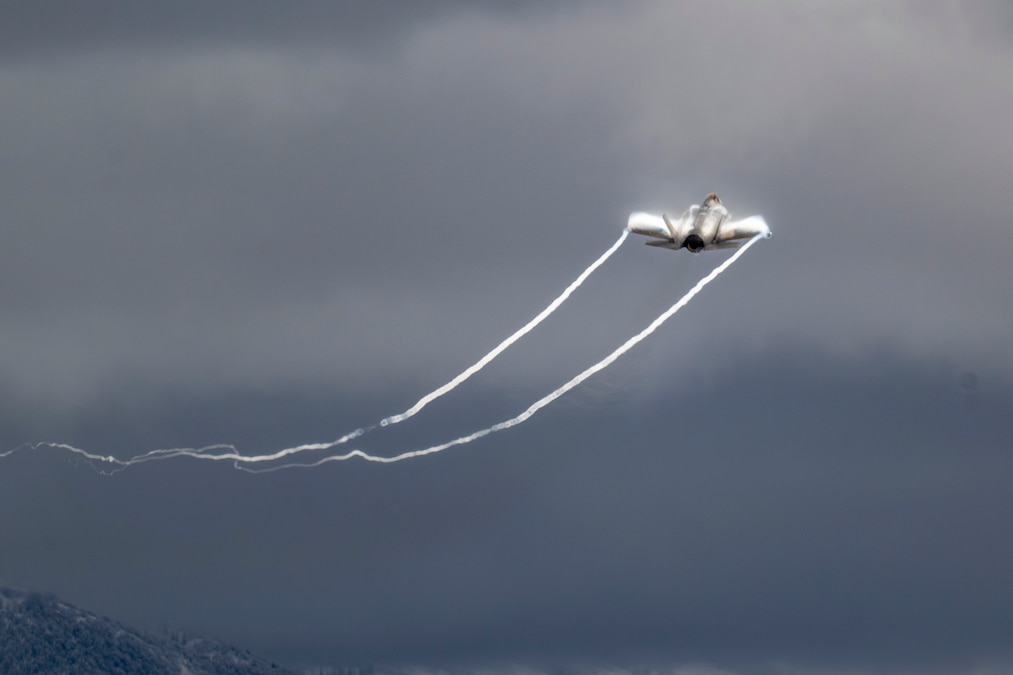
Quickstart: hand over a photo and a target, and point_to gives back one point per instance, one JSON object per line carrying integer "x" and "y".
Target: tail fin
{"x": 671, "y": 228}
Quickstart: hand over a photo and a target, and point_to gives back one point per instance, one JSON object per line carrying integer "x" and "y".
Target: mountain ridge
{"x": 41, "y": 634}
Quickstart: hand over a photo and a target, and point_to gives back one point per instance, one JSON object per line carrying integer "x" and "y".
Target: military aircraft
{"x": 702, "y": 228}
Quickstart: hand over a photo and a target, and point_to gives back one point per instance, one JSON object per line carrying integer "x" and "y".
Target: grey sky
{"x": 240, "y": 224}
{"x": 217, "y": 200}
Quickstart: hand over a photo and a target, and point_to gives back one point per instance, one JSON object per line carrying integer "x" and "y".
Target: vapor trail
{"x": 229, "y": 452}
{"x": 501, "y": 347}
{"x": 540, "y": 403}
{"x": 223, "y": 452}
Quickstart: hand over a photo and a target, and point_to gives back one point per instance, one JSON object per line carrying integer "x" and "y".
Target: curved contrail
{"x": 230, "y": 452}
{"x": 240, "y": 461}
{"x": 542, "y": 402}
{"x": 482, "y": 362}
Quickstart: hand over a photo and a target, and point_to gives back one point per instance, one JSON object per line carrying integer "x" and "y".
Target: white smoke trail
{"x": 540, "y": 403}
{"x": 231, "y": 453}
{"x": 481, "y": 363}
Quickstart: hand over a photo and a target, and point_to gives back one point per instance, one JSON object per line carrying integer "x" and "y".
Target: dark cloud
{"x": 800, "y": 511}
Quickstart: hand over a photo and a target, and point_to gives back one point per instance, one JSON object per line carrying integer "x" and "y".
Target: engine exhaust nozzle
{"x": 694, "y": 243}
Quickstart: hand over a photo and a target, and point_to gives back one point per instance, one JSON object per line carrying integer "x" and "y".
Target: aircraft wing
{"x": 747, "y": 228}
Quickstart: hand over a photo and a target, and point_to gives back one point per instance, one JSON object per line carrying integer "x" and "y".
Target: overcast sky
{"x": 267, "y": 225}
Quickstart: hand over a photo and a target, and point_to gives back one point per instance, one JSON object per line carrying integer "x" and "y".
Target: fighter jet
{"x": 702, "y": 228}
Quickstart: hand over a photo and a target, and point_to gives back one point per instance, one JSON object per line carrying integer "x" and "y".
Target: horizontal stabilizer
{"x": 664, "y": 244}
{"x": 731, "y": 243}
